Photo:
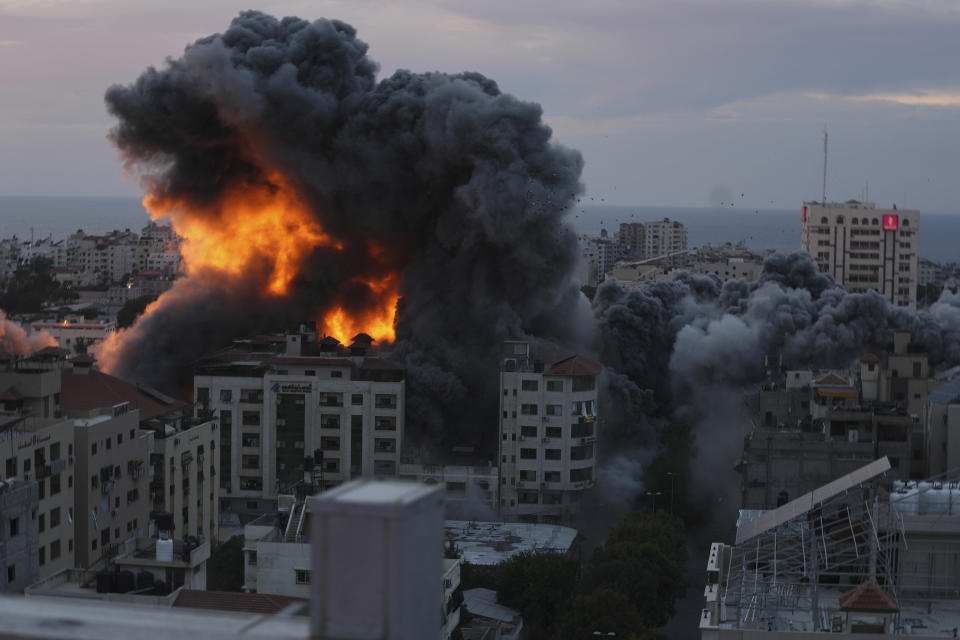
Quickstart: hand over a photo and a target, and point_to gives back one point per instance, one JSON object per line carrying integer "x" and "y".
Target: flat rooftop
{"x": 492, "y": 542}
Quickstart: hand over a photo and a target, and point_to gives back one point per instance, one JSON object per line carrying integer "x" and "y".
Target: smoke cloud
{"x": 442, "y": 179}
{"x": 16, "y": 341}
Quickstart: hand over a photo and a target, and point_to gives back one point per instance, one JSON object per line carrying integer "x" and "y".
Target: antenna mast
{"x": 824, "y": 197}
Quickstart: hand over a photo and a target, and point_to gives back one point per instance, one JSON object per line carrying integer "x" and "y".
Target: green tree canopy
{"x": 540, "y": 585}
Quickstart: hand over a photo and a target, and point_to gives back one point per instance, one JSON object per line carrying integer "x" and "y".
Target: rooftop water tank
{"x": 164, "y": 550}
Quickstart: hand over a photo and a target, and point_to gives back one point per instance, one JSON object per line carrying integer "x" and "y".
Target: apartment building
{"x": 664, "y": 238}
{"x": 112, "y": 491}
{"x": 548, "y": 437}
{"x": 18, "y": 535}
{"x": 184, "y": 484}
{"x": 280, "y": 400}
{"x": 74, "y": 333}
{"x": 597, "y": 257}
{"x": 865, "y": 248}
{"x": 36, "y": 446}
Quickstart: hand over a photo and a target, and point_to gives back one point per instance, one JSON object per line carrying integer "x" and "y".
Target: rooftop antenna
{"x": 824, "y": 196}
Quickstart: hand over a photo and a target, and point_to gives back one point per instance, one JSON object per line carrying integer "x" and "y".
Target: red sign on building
{"x": 891, "y": 222}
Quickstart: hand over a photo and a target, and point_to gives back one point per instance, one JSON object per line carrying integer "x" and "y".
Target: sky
{"x": 671, "y": 102}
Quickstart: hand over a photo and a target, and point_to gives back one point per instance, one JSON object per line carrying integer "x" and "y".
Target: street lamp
{"x": 653, "y": 498}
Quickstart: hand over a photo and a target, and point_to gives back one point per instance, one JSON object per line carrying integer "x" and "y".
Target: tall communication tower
{"x": 824, "y": 196}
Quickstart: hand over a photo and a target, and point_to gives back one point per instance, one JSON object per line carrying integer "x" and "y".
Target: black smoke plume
{"x": 456, "y": 183}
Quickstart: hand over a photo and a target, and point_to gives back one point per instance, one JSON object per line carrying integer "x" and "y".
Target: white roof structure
{"x": 809, "y": 501}
{"x": 490, "y": 543}
{"x": 483, "y": 602}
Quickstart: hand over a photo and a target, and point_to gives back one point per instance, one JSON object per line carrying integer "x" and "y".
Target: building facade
{"x": 18, "y": 535}
{"x": 112, "y": 486}
{"x": 865, "y": 248}
{"x": 185, "y": 465}
{"x": 548, "y": 436}
{"x": 276, "y": 408}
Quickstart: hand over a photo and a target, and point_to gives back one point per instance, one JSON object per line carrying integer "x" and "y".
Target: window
{"x": 109, "y": 441}
{"x": 555, "y": 386}
{"x": 581, "y": 475}
{"x": 251, "y": 395}
{"x": 42, "y": 523}
{"x": 55, "y": 517}
{"x": 250, "y": 462}
{"x": 14, "y": 527}
{"x": 529, "y": 409}
{"x": 131, "y": 434}
{"x": 584, "y": 383}
{"x": 554, "y": 410}
{"x": 302, "y": 576}
{"x": 529, "y": 385}
{"x": 554, "y": 432}
{"x": 70, "y": 544}
{"x": 551, "y": 454}
{"x": 54, "y": 549}
{"x": 11, "y": 469}
{"x": 94, "y": 481}
{"x": 119, "y": 439}
{"x": 584, "y": 452}
{"x": 55, "y": 451}
{"x": 251, "y": 439}
{"x": 386, "y": 423}
{"x": 93, "y": 449}
{"x": 551, "y": 476}
{"x": 55, "y": 484}
{"x": 385, "y": 401}
{"x": 226, "y": 395}
{"x": 69, "y": 482}
{"x": 384, "y": 445}
{"x": 528, "y": 431}
{"x": 252, "y": 505}
{"x": 251, "y": 418}
{"x": 252, "y": 559}
{"x": 336, "y": 373}
{"x": 528, "y": 475}
{"x": 356, "y": 399}
{"x": 42, "y": 554}
{"x": 330, "y": 443}
{"x": 11, "y": 573}
{"x": 384, "y": 467}
{"x": 329, "y": 421}
{"x": 528, "y": 454}
{"x": 41, "y": 488}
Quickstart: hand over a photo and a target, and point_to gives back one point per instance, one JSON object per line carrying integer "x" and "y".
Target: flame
{"x": 263, "y": 223}
{"x": 377, "y": 321}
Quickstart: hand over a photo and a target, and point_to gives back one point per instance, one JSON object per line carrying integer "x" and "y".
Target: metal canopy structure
{"x": 829, "y": 538}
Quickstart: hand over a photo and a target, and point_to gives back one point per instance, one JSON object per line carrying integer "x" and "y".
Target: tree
{"x": 30, "y": 287}
{"x": 604, "y": 610}
{"x": 643, "y": 558}
{"x": 132, "y": 309}
{"x": 540, "y": 585}
{"x": 225, "y": 566}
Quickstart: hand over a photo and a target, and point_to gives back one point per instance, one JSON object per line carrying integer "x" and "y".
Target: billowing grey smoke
{"x": 457, "y": 185}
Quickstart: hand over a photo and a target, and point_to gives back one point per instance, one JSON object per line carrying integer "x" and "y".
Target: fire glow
{"x": 262, "y": 236}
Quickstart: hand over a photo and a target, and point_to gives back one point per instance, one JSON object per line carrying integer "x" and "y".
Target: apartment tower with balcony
{"x": 548, "y": 433}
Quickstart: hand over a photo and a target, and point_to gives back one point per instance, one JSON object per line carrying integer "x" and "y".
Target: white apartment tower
{"x": 864, "y": 248}
{"x": 548, "y": 437}
{"x": 342, "y": 408}
{"x": 664, "y": 238}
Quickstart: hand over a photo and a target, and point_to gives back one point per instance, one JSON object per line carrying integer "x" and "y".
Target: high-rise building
{"x": 865, "y": 248}
{"x": 666, "y": 239}
{"x": 548, "y": 443}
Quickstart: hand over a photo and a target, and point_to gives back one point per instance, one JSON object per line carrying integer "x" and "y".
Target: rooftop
{"x": 489, "y": 543}
{"x": 96, "y": 390}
